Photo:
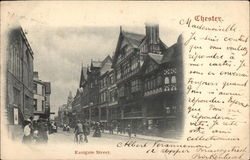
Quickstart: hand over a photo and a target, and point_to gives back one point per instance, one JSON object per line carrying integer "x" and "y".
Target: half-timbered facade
{"x": 162, "y": 77}
{"x": 103, "y": 89}
{"x": 141, "y": 85}
{"x": 130, "y": 54}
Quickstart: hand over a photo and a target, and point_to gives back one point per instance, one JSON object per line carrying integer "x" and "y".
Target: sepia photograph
{"x": 83, "y": 81}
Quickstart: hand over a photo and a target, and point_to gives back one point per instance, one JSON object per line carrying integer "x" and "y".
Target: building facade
{"x": 19, "y": 74}
{"x": 66, "y": 114}
{"x": 141, "y": 85}
{"x": 42, "y": 91}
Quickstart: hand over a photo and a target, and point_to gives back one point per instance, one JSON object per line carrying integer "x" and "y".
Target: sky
{"x": 65, "y": 36}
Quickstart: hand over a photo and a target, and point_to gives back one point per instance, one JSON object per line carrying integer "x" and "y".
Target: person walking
{"x": 27, "y": 132}
{"x": 78, "y": 131}
{"x": 42, "y": 131}
{"x": 97, "y": 130}
{"x": 102, "y": 127}
{"x": 35, "y": 133}
{"x": 111, "y": 129}
{"x": 119, "y": 128}
{"x": 134, "y": 129}
{"x": 129, "y": 130}
{"x": 86, "y": 131}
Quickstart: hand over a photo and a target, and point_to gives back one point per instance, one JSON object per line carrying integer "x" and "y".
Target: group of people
{"x": 35, "y": 131}
{"x": 82, "y": 129}
{"x": 66, "y": 127}
{"x": 122, "y": 129}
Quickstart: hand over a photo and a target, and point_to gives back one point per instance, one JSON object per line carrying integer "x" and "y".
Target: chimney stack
{"x": 152, "y": 34}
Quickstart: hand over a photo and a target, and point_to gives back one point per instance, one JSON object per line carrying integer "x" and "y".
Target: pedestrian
{"x": 86, "y": 131}
{"x": 78, "y": 131}
{"x": 134, "y": 129}
{"x": 68, "y": 128}
{"x": 129, "y": 130}
{"x": 27, "y": 132}
{"x": 102, "y": 126}
{"x": 42, "y": 132}
{"x": 31, "y": 126}
{"x": 111, "y": 128}
{"x": 119, "y": 128}
{"x": 35, "y": 133}
{"x": 97, "y": 130}
{"x": 123, "y": 128}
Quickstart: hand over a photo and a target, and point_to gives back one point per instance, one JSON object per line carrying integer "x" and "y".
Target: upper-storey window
{"x": 118, "y": 74}
{"x": 173, "y": 79}
{"x": 43, "y": 90}
{"x": 159, "y": 80}
{"x": 111, "y": 79}
{"x": 121, "y": 91}
{"x": 134, "y": 63}
{"x": 166, "y": 81}
{"x": 135, "y": 85}
{"x": 150, "y": 68}
{"x": 35, "y": 88}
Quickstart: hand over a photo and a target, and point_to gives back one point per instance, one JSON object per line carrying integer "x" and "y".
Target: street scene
{"x": 134, "y": 90}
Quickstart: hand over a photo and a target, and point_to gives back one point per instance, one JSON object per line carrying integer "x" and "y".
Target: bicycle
{"x": 80, "y": 138}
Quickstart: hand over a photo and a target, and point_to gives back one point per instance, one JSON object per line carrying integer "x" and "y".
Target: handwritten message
{"x": 217, "y": 85}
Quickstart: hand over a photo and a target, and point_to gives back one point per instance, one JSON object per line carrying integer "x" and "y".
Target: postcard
{"x": 121, "y": 80}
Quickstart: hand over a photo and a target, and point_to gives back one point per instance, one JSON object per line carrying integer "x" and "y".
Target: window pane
{"x": 173, "y": 79}
{"x": 166, "y": 80}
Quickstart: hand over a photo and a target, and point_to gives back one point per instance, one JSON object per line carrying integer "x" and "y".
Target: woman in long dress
{"x": 97, "y": 130}
{"x": 27, "y": 132}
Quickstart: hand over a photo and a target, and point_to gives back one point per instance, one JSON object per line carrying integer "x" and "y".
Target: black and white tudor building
{"x": 141, "y": 85}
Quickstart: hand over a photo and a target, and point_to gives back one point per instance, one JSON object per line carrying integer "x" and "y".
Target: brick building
{"x": 19, "y": 79}
{"x": 42, "y": 91}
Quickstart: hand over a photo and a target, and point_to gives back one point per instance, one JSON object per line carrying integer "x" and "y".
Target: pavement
{"x": 68, "y": 136}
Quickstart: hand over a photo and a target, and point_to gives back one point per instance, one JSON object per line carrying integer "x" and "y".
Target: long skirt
{"x": 97, "y": 133}
{"x": 26, "y": 139}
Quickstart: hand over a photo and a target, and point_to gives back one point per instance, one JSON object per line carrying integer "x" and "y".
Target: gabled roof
{"x": 106, "y": 65}
{"x": 156, "y": 57}
{"x": 170, "y": 54}
{"x": 174, "y": 52}
{"x": 106, "y": 60}
{"x": 134, "y": 39}
{"x": 82, "y": 77}
{"x": 151, "y": 57}
{"x": 96, "y": 64}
